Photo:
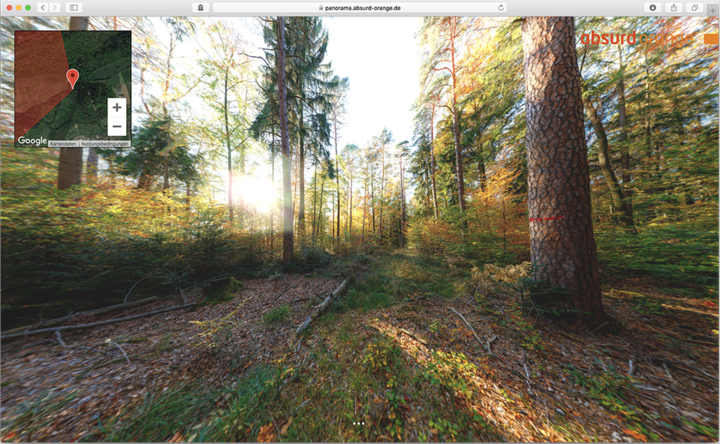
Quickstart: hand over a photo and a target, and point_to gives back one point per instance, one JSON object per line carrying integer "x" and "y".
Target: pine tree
{"x": 562, "y": 241}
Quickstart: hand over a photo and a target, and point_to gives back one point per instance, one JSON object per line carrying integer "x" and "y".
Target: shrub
{"x": 277, "y": 315}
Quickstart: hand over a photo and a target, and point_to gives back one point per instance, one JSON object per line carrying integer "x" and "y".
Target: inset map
{"x": 48, "y": 107}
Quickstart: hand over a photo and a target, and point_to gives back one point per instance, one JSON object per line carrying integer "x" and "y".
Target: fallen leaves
{"x": 284, "y": 428}
{"x": 636, "y": 435}
{"x": 172, "y": 359}
{"x": 177, "y": 438}
{"x": 266, "y": 433}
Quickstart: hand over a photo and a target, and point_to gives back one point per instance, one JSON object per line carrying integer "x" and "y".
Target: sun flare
{"x": 255, "y": 193}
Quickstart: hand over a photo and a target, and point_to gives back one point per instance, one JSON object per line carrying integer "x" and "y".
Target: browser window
{"x": 359, "y": 221}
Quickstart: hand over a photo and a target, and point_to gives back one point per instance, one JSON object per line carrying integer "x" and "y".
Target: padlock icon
{"x": 200, "y": 8}
{"x": 673, "y": 8}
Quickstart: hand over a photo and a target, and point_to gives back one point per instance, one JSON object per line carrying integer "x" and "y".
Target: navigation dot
{"x": 72, "y": 76}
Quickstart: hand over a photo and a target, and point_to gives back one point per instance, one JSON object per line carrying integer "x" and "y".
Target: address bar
{"x": 359, "y": 8}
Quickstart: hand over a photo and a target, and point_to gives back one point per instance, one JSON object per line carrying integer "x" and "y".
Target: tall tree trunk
{"x": 337, "y": 182}
{"x": 71, "y": 159}
{"x": 70, "y": 167}
{"x": 456, "y": 135}
{"x": 364, "y": 215}
{"x": 382, "y": 191}
{"x": 321, "y": 205}
{"x": 301, "y": 177}
{"x": 350, "y": 208}
{"x": 622, "y": 122}
{"x": 482, "y": 174}
{"x": 314, "y": 216}
{"x": 432, "y": 161}
{"x": 372, "y": 200}
{"x": 166, "y": 174}
{"x": 187, "y": 195}
{"x": 91, "y": 166}
{"x": 562, "y": 241}
{"x": 456, "y": 127}
{"x": 288, "y": 250}
{"x": 427, "y": 188}
{"x": 402, "y": 205}
{"x": 272, "y": 206}
{"x": 605, "y": 165}
{"x": 229, "y": 149}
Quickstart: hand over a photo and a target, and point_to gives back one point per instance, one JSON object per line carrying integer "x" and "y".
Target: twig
{"x": 571, "y": 337}
{"x": 284, "y": 291}
{"x": 94, "y": 324}
{"x": 650, "y": 365}
{"x": 131, "y": 288}
{"x": 320, "y": 309}
{"x": 60, "y": 340}
{"x": 118, "y": 346}
{"x": 631, "y": 371}
{"x": 79, "y": 347}
{"x": 469, "y": 326}
{"x": 706, "y": 374}
{"x": 601, "y": 326}
{"x": 97, "y": 311}
{"x": 417, "y": 338}
{"x": 300, "y": 300}
{"x": 646, "y": 387}
{"x": 416, "y": 299}
{"x": 667, "y": 372}
{"x": 273, "y": 420}
{"x": 490, "y": 342}
{"x": 527, "y": 373}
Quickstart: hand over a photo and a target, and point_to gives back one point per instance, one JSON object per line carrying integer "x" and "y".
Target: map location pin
{"x": 72, "y": 76}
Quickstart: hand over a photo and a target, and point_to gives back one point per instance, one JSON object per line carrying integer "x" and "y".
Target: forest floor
{"x": 391, "y": 361}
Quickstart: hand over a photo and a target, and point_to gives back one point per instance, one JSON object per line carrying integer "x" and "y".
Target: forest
{"x": 484, "y": 229}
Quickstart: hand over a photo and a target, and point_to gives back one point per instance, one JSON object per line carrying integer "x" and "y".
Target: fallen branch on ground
{"x": 321, "y": 308}
{"x": 98, "y": 311}
{"x": 283, "y": 292}
{"x": 414, "y": 336}
{"x": 469, "y": 326}
{"x": 571, "y": 337}
{"x": 94, "y": 324}
{"x": 300, "y": 300}
{"x": 118, "y": 346}
{"x": 133, "y": 287}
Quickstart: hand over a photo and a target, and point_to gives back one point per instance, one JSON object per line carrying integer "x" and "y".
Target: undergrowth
{"x": 277, "y": 315}
{"x": 682, "y": 255}
{"x": 402, "y": 274}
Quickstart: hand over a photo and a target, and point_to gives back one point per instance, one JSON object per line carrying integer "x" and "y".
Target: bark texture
{"x": 70, "y": 167}
{"x": 561, "y": 231}
{"x": 288, "y": 250}
{"x": 71, "y": 159}
{"x": 616, "y": 191}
